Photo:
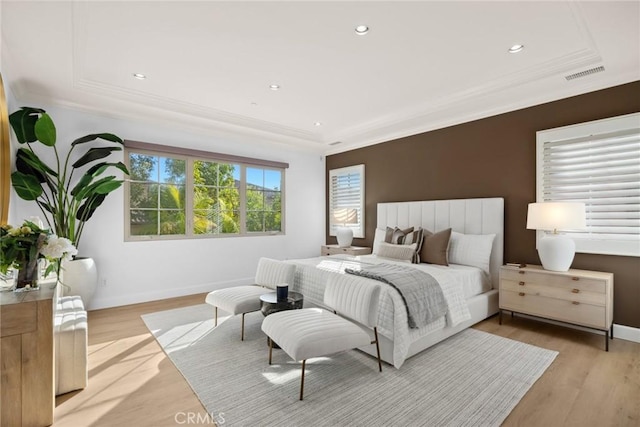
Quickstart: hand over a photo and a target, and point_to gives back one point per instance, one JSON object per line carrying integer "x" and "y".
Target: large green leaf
{"x": 96, "y": 170}
{"x": 23, "y": 123}
{"x": 107, "y": 187}
{"x": 34, "y": 161}
{"x": 27, "y": 186}
{"x": 24, "y": 167}
{"x": 45, "y": 130}
{"x": 82, "y": 183}
{"x": 94, "y": 154}
{"x": 106, "y": 136}
{"x": 90, "y": 190}
{"x": 93, "y": 172}
{"x": 85, "y": 212}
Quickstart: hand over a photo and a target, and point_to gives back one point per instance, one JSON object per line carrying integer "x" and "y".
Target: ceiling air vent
{"x": 584, "y": 73}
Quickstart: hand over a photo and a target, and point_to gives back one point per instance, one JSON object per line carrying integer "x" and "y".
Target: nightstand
{"x": 579, "y": 297}
{"x": 351, "y": 250}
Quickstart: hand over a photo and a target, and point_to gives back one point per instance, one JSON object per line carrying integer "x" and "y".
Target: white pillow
{"x": 471, "y": 249}
{"x": 377, "y": 239}
{"x": 397, "y": 252}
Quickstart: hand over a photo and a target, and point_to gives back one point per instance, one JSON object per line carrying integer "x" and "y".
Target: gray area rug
{"x": 471, "y": 379}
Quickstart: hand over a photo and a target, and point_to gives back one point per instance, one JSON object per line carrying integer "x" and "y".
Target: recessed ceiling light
{"x": 254, "y": 104}
{"x": 516, "y": 48}
{"x": 274, "y": 87}
{"x": 361, "y": 30}
{"x": 139, "y": 76}
{"x": 317, "y": 124}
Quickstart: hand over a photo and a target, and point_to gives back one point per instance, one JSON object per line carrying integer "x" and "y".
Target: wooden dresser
{"x": 26, "y": 356}
{"x": 350, "y": 250}
{"x": 579, "y": 297}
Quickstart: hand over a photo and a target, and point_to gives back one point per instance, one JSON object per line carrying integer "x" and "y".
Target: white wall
{"x": 144, "y": 271}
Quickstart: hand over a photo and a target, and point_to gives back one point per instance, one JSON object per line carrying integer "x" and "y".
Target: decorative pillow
{"x": 435, "y": 247}
{"x": 471, "y": 249}
{"x": 397, "y": 252}
{"x": 413, "y": 237}
{"x": 394, "y": 235}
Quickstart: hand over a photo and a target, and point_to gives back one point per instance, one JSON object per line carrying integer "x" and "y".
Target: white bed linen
{"x": 473, "y": 279}
{"x": 313, "y": 273}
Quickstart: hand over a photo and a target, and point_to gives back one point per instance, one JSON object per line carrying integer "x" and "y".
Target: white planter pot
{"x": 80, "y": 277}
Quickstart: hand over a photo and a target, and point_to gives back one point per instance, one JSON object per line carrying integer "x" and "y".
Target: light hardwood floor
{"x": 132, "y": 382}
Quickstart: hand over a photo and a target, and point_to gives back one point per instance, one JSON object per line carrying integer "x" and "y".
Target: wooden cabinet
{"x": 578, "y": 297}
{"x": 351, "y": 250}
{"x": 26, "y": 356}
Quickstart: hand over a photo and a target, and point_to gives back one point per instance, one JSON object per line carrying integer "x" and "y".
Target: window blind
{"x": 346, "y": 195}
{"x": 602, "y": 170}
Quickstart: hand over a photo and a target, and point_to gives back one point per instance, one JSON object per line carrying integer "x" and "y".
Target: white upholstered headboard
{"x": 468, "y": 216}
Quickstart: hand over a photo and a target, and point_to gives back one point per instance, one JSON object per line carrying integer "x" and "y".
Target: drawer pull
{"x": 575, "y": 278}
{"x": 575, "y": 291}
{"x": 575, "y": 303}
{"x": 521, "y": 294}
{"x": 521, "y": 283}
{"x": 520, "y": 272}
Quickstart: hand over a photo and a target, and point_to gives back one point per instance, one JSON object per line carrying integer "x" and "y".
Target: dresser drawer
{"x": 566, "y": 281}
{"x": 558, "y": 309}
{"x": 571, "y": 294}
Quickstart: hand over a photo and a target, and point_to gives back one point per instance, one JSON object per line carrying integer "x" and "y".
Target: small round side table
{"x": 269, "y": 303}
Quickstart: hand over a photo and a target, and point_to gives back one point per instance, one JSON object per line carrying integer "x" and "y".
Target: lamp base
{"x": 556, "y": 252}
{"x": 344, "y": 236}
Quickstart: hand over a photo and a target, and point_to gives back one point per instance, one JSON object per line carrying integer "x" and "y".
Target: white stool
{"x": 245, "y": 299}
{"x": 314, "y": 332}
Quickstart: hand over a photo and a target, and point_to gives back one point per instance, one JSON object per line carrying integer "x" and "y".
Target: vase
{"x": 80, "y": 277}
{"x": 27, "y": 279}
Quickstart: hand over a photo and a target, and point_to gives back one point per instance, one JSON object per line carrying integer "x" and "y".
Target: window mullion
{"x": 243, "y": 199}
{"x": 189, "y": 190}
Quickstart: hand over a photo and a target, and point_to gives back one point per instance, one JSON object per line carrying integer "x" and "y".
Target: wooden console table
{"x": 26, "y": 356}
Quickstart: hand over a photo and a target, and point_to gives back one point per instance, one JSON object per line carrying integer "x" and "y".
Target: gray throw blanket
{"x": 420, "y": 291}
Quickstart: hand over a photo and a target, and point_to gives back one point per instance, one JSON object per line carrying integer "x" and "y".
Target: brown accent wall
{"x": 494, "y": 157}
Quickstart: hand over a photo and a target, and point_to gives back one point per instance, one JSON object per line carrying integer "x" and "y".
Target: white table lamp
{"x": 344, "y": 234}
{"x": 556, "y": 250}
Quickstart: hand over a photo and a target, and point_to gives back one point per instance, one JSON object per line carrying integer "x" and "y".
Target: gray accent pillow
{"x": 393, "y": 235}
{"x": 435, "y": 247}
{"x": 416, "y": 236}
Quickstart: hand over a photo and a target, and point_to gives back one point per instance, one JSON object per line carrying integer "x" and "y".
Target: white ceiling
{"x": 423, "y": 65}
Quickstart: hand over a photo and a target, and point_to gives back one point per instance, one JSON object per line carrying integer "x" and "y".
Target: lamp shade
{"x": 553, "y": 216}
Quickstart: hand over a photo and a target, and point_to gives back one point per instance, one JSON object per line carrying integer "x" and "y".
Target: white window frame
{"x": 600, "y": 237}
{"x": 190, "y": 156}
{"x": 356, "y": 201}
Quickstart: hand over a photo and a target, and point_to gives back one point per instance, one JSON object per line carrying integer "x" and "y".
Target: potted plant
{"x": 68, "y": 192}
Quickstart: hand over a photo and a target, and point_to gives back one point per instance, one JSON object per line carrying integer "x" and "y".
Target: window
{"x": 597, "y": 163}
{"x": 177, "y": 193}
{"x": 346, "y": 199}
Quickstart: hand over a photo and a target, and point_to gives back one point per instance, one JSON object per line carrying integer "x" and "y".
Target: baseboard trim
{"x": 626, "y": 333}
{"x": 128, "y": 299}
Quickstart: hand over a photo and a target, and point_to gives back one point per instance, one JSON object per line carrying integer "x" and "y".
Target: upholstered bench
{"x": 70, "y": 343}
{"x": 245, "y": 299}
{"x": 314, "y": 332}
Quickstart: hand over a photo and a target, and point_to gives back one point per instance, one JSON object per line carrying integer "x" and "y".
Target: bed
{"x": 471, "y": 292}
